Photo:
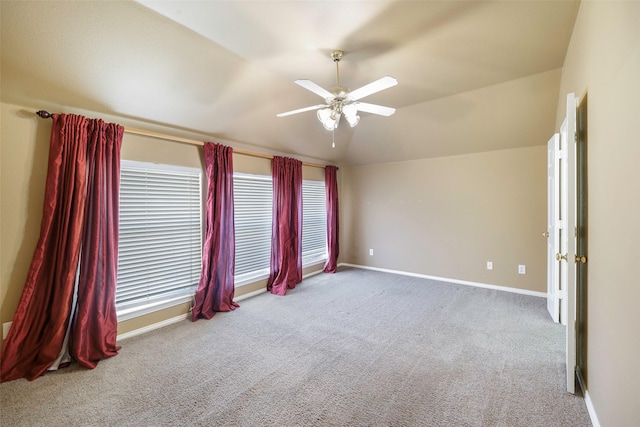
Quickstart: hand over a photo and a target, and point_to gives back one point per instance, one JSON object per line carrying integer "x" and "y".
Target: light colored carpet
{"x": 354, "y": 348}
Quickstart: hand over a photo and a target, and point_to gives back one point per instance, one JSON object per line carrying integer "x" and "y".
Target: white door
{"x": 563, "y": 213}
{"x": 566, "y": 256}
{"x": 553, "y": 226}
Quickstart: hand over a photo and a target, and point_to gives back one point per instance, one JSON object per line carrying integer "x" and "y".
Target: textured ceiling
{"x": 473, "y": 76}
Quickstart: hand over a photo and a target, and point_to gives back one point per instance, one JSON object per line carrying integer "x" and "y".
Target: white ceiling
{"x": 473, "y": 76}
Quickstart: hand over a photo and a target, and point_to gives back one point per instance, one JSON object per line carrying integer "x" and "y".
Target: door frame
{"x": 570, "y": 263}
{"x": 569, "y": 135}
{"x": 581, "y": 242}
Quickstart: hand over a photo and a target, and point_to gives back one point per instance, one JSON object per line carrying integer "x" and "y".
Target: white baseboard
{"x": 176, "y": 319}
{"x": 264, "y": 288}
{"x": 364, "y": 267}
{"x": 182, "y": 317}
{"x": 313, "y": 273}
{"x": 153, "y": 326}
{"x": 5, "y": 329}
{"x": 587, "y": 397}
{"x": 446, "y": 279}
{"x": 251, "y": 294}
{"x": 591, "y": 409}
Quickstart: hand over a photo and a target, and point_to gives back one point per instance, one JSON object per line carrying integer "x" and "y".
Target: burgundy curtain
{"x": 216, "y": 289}
{"x": 286, "y": 233}
{"x": 333, "y": 223}
{"x": 94, "y": 329}
{"x": 79, "y": 221}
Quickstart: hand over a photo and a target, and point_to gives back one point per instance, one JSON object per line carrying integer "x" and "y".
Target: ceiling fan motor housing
{"x": 340, "y": 93}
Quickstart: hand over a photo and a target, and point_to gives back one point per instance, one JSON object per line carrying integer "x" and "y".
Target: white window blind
{"x": 159, "y": 255}
{"x": 253, "y": 201}
{"x": 314, "y": 222}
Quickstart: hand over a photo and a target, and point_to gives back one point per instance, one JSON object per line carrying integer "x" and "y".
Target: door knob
{"x": 582, "y": 259}
{"x": 545, "y": 234}
{"x": 561, "y": 257}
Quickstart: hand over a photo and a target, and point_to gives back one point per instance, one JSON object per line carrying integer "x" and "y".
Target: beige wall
{"x": 23, "y": 166}
{"x": 603, "y": 61}
{"x": 448, "y": 216}
{"x": 23, "y": 157}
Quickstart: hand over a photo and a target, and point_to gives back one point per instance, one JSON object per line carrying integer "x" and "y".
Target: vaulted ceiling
{"x": 473, "y": 76}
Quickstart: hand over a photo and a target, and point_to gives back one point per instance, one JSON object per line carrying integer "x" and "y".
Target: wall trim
{"x": 446, "y": 279}
{"x": 153, "y": 326}
{"x": 5, "y": 329}
{"x": 251, "y": 294}
{"x": 182, "y": 317}
{"x": 176, "y": 319}
{"x": 591, "y": 409}
{"x": 587, "y": 397}
{"x": 313, "y": 273}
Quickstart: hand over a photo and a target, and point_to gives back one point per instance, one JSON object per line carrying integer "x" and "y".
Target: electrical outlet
{"x": 370, "y": 252}
{"x": 489, "y": 265}
{"x": 522, "y": 269}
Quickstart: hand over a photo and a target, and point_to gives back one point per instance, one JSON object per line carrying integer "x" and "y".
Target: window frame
{"x": 319, "y": 208}
{"x": 142, "y": 306}
{"x": 264, "y": 192}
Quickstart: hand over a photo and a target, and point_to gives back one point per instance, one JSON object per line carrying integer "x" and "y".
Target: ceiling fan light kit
{"x": 329, "y": 118}
{"x": 341, "y": 101}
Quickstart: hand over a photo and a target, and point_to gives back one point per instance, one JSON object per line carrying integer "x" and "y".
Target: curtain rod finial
{"x": 44, "y": 114}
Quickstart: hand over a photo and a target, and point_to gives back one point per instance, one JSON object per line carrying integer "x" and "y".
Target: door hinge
{"x": 560, "y": 294}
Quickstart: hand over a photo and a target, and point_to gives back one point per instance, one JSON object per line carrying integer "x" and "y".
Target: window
{"x": 314, "y": 222}
{"x": 160, "y": 255}
{"x": 253, "y": 210}
{"x": 253, "y": 201}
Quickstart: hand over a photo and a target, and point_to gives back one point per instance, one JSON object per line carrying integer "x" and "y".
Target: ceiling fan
{"x": 340, "y": 100}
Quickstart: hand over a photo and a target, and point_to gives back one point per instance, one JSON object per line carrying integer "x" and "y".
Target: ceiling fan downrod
{"x": 336, "y": 55}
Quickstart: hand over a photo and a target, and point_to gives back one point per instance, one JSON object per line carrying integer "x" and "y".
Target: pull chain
{"x": 333, "y": 138}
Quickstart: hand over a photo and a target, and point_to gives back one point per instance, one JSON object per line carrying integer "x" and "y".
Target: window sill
{"x": 150, "y": 307}
{"x": 314, "y": 261}
{"x": 141, "y": 310}
{"x": 251, "y": 277}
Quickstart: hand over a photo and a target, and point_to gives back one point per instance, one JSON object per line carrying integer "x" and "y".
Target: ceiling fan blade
{"x": 373, "y": 87}
{"x": 302, "y": 110}
{"x": 309, "y": 85}
{"x": 375, "y": 109}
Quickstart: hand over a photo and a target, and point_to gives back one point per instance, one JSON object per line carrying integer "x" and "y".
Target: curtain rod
{"x": 47, "y": 115}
